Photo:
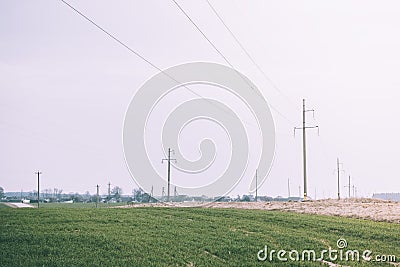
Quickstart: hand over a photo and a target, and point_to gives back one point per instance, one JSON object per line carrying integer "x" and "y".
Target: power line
{"x": 147, "y": 60}
{"x": 110, "y": 35}
{"x": 249, "y": 56}
{"x": 227, "y": 61}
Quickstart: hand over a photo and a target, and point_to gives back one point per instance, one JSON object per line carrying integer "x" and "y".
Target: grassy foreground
{"x": 179, "y": 236}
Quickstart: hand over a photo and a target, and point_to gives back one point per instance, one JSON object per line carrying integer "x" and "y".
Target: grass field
{"x": 178, "y": 236}
{"x": 2, "y": 205}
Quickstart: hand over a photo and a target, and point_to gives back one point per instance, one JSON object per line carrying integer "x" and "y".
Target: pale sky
{"x": 65, "y": 86}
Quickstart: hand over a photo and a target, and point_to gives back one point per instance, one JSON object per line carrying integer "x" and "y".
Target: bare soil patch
{"x": 371, "y": 209}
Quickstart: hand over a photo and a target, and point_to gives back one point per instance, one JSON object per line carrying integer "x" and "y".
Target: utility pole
{"x": 163, "y": 193}
{"x": 338, "y": 177}
{"x": 303, "y": 128}
{"x": 109, "y": 191}
{"x": 97, "y": 195}
{"x": 349, "y": 187}
{"x": 169, "y": 171}
{"x": 256, "y": 186}
{"x": 355, "y": 193}
{"x": 175, "y": 192}
{"x": 38, "y": 187}
{"x": 150, "y": 196}
{"x": 288, "y": 187}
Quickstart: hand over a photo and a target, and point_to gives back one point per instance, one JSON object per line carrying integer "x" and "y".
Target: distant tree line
{"x": 115, "y": 195}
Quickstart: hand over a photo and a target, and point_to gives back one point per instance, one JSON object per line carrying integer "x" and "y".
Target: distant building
{"x": 387, "y": 196}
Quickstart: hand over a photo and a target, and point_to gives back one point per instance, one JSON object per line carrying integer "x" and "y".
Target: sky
{"x": 65, "y": 87}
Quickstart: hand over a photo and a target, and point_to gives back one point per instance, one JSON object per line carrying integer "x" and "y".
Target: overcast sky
{"x": 65, "y": 86}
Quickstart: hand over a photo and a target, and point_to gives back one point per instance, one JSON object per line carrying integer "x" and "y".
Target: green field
{"x": 178, "y": 236}
{"x": 2, "y": 205}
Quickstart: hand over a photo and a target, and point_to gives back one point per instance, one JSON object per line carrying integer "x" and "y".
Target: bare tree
{"x": 116, "y": 192}
{"x": 1, "y": 192}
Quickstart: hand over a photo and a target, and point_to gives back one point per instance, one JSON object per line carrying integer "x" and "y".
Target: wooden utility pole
{"x": 38, "y": 187}
{"x": 97, "y": 196}
{"x": 109, "y": 191}
{"x": 169, "y": 171}
{"x": 303, "y": 128}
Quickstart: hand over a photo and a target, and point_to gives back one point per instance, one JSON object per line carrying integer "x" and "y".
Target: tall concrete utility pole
{"x": 288, "y": 187}
{"x": 169, "y": 171}
{"x": 38, "y": 187}
{"x": 303, "y": 128}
